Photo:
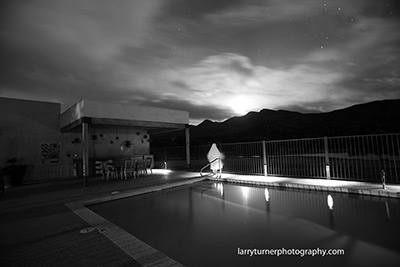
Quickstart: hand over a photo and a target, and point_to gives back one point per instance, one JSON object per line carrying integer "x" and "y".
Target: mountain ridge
{"x": 377, "y": 117}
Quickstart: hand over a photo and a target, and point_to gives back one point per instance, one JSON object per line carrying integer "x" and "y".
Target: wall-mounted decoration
{"x": 126, "y": 146}
{"x": 76, "y": 140}
{"x": 94, "y": 136}
{"x": 145, "y": 138}
{"x": 117, "y": 137}
{"x": 50, "y": 152}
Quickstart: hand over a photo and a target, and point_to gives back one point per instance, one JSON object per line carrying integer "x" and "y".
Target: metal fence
{"x": 364, "y": 157}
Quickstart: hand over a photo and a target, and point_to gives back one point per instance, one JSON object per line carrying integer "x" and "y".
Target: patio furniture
{"x": 119, "y": 167}
{"x": 109, "y": 169}
{"x": 140, "y": 167}
{"x": 129, "y": 168}
{"x": 149, "y": 162}
{"x": 99, "y": 168}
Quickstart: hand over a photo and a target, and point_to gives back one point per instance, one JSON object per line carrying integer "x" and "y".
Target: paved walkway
{"x": 47, "y": 224}
{"x": 37, "y": 228}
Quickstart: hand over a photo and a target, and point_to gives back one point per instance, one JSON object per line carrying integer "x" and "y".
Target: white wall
{"x": 26, "y": 125}
{"x": 109, "y": 144}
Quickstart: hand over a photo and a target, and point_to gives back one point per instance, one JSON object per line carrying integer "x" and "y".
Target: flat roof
{"x": 108, "y": 113}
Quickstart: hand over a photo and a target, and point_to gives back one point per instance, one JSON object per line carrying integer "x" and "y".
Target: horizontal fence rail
{"x": 363, "y": 158}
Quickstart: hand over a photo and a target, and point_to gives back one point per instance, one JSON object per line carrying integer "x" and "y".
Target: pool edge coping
{"x": 138, "y": 250}
{"x": 148, "y": 256}
{"x": 338, "y": 189}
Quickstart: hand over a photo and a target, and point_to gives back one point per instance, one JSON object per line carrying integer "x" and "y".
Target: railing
{"x": 218, "y": 171}
{"x": 361, "y": 157}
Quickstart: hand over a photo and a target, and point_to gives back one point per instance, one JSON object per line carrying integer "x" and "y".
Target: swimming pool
{"x": 213, "y": 224}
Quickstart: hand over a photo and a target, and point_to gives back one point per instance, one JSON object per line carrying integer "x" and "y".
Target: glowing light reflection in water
{"x": 330, "y": 202}
{"x": 266, "y": 194}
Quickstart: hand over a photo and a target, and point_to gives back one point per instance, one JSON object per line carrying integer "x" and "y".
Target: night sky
{"x": 214, "y": 58}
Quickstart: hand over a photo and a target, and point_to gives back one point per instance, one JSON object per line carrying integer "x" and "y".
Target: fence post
{"x": 327, "y": 167}
{"x": 383, "y": 178}
{"x": 165, "y": 158}
{"x": 85, "y": 152}
{"x": 264, "y": 158}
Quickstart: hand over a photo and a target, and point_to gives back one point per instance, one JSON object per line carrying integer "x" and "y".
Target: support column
{"x": 187, "y": 139}
{"x": 85, "y": 152}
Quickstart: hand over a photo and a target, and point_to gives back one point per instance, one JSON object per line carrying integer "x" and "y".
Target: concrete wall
{"x": 27, "y": 130}
{"x": 30, "y": 132}
{"x": 106, "y": 141}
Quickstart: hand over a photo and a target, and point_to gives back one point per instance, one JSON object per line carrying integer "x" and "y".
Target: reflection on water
{"x": 266, "y": 194}
{"x": 245, "y": 193}
{"x": 219, "y": 187}
{"x": 331, "y": 214}
{"x": 330, "y": 202}
{"x": 387, "y": 211}
{"x": 203, "y": 225}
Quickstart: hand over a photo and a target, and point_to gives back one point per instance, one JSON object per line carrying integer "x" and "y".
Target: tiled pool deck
{"x": 348, "y": 187}
{"x": 48, "y": 224}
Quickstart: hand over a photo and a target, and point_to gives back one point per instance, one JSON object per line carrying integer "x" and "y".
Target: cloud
{"x": 65, "y": 51}
{"x": 368, "y": 59}
{"x": 273, "y": 11}
{"x": 375, "y": 56}
{"x": 196, "y": 9}
{"x": 214, "y": 58}
{"x": 197, "y": 112}
{"x": 325, "y": 79}
{"x": 231, "y": 82}
{"x": 256, "y": 12}
{"x": 223, "y": 85}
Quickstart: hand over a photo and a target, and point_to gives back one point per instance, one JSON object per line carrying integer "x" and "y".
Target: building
{"x": 56, "y": 146}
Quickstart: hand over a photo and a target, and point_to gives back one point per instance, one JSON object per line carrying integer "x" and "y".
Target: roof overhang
{"x": 115, "y": 114}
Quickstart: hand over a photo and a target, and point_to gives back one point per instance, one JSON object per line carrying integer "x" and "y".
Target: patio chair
{"x": 99, "y": 168}
{"x": 119, "y": 168}
{"x": 149, "y": 162}
{"x": 129, "y": 168}
{"x": 109, "y": 169}
{"x": 140, "y": 167}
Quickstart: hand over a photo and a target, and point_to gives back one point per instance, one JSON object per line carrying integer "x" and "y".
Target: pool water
{"x": 207, "y": 223}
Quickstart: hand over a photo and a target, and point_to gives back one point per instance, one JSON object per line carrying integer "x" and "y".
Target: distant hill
{"x": 371, "y": 118}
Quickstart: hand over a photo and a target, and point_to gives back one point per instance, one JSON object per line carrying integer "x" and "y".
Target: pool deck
{"x": 328, "y": 185}
{"x": 48, "y": 224}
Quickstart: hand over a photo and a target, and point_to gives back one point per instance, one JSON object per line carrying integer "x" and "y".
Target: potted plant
{"x": 14, "y": 172}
